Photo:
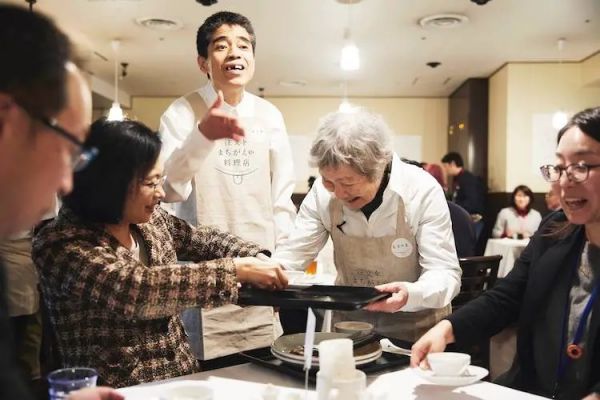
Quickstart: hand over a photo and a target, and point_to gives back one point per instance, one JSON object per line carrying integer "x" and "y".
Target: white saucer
{"x": 471, "y": 375}
{"x": 315, "y": 360}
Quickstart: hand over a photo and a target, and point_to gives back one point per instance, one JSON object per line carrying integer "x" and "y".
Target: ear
{"x": 203, "y": 65}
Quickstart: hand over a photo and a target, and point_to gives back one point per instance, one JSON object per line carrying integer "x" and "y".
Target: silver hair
{"x": 361, "y": 140}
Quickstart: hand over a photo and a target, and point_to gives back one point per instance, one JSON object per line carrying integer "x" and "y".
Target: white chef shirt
{"x": 426, "y": 212}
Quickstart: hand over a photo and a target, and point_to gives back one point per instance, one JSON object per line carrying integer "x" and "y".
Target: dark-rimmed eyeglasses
{"x": 83, "y": 155}
{"x": 575, "y": 172}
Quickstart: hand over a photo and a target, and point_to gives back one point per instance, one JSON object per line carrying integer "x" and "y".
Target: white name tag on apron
{"x": 402, "y": 248}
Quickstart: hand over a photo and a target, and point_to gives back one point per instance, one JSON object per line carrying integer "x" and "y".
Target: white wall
{"x": 520, "y": 94}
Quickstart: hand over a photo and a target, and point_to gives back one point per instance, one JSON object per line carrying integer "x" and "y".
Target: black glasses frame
{"x": 84, "y": 155}
{"x": 568, "y": 169}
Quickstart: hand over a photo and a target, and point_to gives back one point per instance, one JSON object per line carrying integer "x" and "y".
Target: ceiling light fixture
{"x": 345, "y": 106}
{"x": 116, "y": 112}
{"x": 560, "y": 118}
{"x": 350, "y": 57}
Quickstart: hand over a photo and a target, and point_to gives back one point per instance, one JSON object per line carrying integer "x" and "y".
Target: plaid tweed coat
{"x": 113, "y": 313}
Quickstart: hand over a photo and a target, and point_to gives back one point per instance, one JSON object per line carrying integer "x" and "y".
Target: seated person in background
{"x": 552, "y": 288}
{"x": 462, "y": 223}
{"x": 436, "y": 171}
{"x": 388, "y": 221}
{"x": 519, "y": 220}
{"x": 552, "y": 200}
{"x": 108, "y": 265}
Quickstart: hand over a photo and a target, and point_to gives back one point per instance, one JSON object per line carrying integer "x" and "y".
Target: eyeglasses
{"x": 155, "y": 185}
{"x": 575, "y": 172}
{"x": 83, "y": 155}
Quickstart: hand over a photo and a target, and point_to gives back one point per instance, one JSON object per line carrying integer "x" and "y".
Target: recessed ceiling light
{"x": 293, "y": 83}
{"x": 159, "y": 24}
{"x": 443, "y": 21}
{"x": 349, "y": 1}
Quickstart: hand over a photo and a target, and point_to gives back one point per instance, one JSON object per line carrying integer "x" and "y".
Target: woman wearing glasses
{"x": 552, "y": 291}
{"x": 108, "y": 264}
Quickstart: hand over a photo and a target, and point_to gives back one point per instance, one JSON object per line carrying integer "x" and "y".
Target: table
{"x": 503, "y": 346}
{"x": 249, "y": 380}
{"x": 509, "y": 249}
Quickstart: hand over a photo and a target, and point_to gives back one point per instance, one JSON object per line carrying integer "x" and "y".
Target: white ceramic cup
{"x": 448, "y": 364}
{"x": 189, "y": 392}
{"x": 354, "y": 388}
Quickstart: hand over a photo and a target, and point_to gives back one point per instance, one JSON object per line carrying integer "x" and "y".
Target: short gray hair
{"x": 361, "y": 140}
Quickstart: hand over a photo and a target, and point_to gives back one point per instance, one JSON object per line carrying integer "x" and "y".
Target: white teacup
{"x": 448, "y": 364}
{"x": 354, "y": 388}
{"x": 188, "y": 392}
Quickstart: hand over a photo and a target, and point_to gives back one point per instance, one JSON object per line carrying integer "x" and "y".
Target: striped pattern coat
{"x": 113, "y": 313}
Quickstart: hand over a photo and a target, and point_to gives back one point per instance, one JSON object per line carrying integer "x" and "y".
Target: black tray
{"x": 264, "y": 358}
{"x": 317, "y": 296}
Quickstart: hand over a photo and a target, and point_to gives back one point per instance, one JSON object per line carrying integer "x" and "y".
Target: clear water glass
{"x": 64, "y": 381}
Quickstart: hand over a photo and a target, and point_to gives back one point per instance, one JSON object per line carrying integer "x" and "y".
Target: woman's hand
{"x": 95, "y": 393}
{"x": 592, "y": 396}
{"x": 434, "y": 341}
{"x": 391, "y": 304}
{"x": 264, "y": 274}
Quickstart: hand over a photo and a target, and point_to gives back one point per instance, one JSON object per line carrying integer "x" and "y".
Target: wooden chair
{"x": 478, "y": 275}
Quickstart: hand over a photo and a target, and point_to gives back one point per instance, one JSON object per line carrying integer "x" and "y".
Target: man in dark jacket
{"x": 467, "y": 190}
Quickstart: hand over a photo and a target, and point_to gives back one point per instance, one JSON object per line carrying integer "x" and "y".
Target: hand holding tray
{"x": 316, "y": 296}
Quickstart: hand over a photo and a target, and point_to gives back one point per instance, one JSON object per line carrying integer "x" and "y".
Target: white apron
{"x": 235, "y": 197}
{"x": 364, "y": 261}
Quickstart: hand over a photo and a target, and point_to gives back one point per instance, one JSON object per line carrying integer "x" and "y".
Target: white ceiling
{"x": 302, "y": 39}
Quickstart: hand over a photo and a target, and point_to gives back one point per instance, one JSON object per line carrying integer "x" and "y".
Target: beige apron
{"x": 235, "y": 197}
{"x": 22, "y": 295}
{"x": 364, "y": 261}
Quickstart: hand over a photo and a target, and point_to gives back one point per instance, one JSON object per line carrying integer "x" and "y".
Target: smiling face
{"x": 580, "y": 201}
{"x": 352, "y": 188}
{"x": 230, "y": 61}
{"x": 521, "y": 200}
{"x": 144, "y": 196}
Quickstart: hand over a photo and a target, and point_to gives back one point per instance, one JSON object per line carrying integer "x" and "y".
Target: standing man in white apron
{"x": 229, "y": 164}
{"x": 389, "y": 223}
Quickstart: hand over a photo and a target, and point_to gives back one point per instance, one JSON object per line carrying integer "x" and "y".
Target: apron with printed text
{"x": 235, "y": 197}
{"x": 371, "y": 261}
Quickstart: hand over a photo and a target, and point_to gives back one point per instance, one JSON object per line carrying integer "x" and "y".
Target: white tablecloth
{"x": 503, "y": 346}
{"x": 247, "y": 381}
{"x": 509, "y": 249}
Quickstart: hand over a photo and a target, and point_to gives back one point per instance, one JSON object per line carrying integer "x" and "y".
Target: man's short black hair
{"x": 128, "y": 150}
{"x": 34, "y": 53}
{"x": 214, "y": 22}
{"x": 453, "y": 157}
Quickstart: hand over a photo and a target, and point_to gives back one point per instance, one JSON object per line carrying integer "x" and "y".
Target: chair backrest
{"x": 478, "y": 275}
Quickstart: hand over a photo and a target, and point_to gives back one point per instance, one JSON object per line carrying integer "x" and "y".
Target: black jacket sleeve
{"x": 496, "y": 308}
{"x": 12, "y": 385}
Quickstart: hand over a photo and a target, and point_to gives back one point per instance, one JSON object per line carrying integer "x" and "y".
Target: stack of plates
{"x": 283, "y": 346}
